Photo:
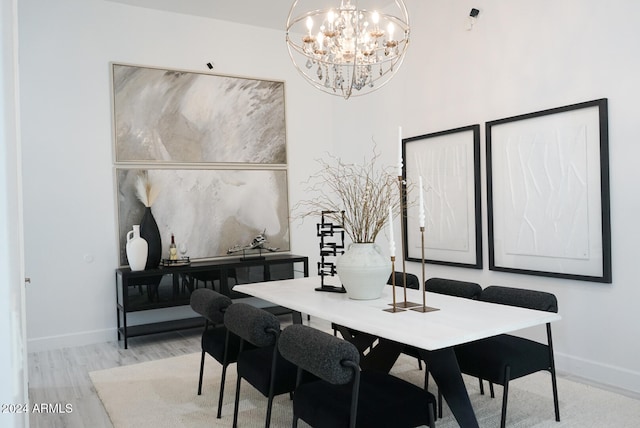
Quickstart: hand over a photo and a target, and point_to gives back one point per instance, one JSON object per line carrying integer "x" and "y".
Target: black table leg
{"x": 382, "y": 356}
{"x": 443, "y": 366}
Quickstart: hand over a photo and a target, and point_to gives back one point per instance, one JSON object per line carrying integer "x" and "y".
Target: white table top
{"x": 457, "y": 321}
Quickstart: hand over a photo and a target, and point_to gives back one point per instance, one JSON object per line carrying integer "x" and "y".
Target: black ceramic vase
{"x": 150, "y": 232}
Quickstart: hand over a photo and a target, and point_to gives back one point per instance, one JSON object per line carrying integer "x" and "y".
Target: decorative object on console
{"x": 326, "y": 229}
{"x": 173, "y": 250}
{"x": 258, "y": 243}
{"x": 137, "y": 249}
{"x": 349, "y": 47}
{"x": 183, "y": 261}
{"x": 147, "y": 194}
{"x": 359, "y": 196}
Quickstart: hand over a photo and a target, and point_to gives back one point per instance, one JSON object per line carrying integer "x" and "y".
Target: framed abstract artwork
{"x": 548, "y": 193}
{"x": 210, "y": 210}
{"x": 214, "y": 146}
{"x": 449, "y": 164}
{"x": 175, "y": 116}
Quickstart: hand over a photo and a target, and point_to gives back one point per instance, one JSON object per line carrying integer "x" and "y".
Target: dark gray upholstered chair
{"x": 343, "y": 396}
{"x": 412, "y": 280}
{"x": 505, "y": 357}
{"x": 212, "y": 305}
{"x": 452, "y": 287}
{"x": 263, "y": 367}
{"x": 210, "y": 277}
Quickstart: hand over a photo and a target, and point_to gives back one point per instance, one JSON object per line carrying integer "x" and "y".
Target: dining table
{"x": 435, "y": 326}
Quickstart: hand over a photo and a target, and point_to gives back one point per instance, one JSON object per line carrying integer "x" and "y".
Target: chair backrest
{"x": 412, "y": 280}
{"x": 452, "y": 287}
{"x": 319, "y": 353}
{"x": 256, "y": 326}
{"x": 530, "y": 299}
{"x": 210, "y": 304}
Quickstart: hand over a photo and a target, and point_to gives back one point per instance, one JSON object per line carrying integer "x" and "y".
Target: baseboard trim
{"x": 82, "y": 338}
{"x": 605, "y": 376}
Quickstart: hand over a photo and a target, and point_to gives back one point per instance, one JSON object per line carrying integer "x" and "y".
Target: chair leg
{"x": 267, "y": 422}
{"x": 236, "y": 403}
{"x": 491, "y": 390}
{"x": 432, "y": 423}
{"x": 294, "y": 424}
{"x": 556, "y": 404}
{"x": 419, "y": 364}
{"x": 201, "y": 373}
{"x": 481, "y": 383}
{"x": 426, "y": 388}
{"x": 222, "y": 381}
{"x": 552, "y": 369}
{"x": 505, "y": 393}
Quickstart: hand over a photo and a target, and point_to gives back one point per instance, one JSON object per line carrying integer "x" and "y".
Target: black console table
{"x": 166, "y": 287}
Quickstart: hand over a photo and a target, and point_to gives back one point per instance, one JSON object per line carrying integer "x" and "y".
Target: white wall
{"x": 13, "y": 388}
{"x": 523, "y": 57}
{"x": 70, "y": 223}
{"x": 520, "y": 57}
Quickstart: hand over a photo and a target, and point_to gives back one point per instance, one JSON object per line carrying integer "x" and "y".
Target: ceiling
{"x": 262, "y": 13}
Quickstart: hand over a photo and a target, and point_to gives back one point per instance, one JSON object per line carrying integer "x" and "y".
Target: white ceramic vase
{"x": 137, "y": 249}
{"x": 363, "y": 271}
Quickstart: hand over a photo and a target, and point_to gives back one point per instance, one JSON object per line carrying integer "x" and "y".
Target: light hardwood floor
{"x": 62, "y": 376}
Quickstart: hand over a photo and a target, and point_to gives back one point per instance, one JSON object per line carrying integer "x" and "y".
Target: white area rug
{"x": 163, "y": 393}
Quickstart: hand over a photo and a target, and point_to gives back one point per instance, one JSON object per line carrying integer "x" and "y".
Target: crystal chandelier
{"x": 350, "y": 50}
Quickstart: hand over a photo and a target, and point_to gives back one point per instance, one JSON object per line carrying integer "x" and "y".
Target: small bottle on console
{"x": 173, "y": 251}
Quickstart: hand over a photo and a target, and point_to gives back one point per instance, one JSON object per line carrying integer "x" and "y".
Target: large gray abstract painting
{"x": 214, "y": 145}
{"x": 209, "y": 210}
{"x": 185, "y": 117}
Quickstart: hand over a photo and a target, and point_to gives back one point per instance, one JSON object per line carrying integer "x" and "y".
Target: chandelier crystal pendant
{"x": 349, "y": 50}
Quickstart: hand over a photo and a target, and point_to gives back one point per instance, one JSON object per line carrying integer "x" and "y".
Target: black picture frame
{"x": 548, "y": 205}
{"x": 449, "y": 163}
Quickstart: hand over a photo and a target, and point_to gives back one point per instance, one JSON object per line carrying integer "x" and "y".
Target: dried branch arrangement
{"x": 363, "y": 191}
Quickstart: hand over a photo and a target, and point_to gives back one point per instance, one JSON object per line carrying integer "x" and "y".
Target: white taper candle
{"x": 421, "y": 215}
{"x": 399, "y": 151}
